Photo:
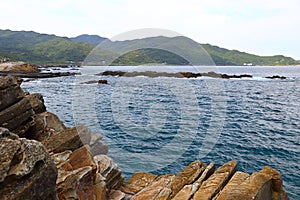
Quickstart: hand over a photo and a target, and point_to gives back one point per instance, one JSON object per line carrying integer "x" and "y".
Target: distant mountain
{"x": 90, "y": 39}
{"x": 39, "y": 48}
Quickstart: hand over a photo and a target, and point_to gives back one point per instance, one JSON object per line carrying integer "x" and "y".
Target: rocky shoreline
{"x": 26, "y": 70}
{"x": 41, "y": 158}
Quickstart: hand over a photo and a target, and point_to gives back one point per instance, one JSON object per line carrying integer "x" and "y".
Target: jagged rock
{"x": 10, "y": 91}
{"x": 137, "y": 182}
{"x": 110, "y": 171}
{"x": 65, "y": 140}
{"x": 188, "y": 191}
{"x": 8, "y": 149}
{"x": 209, "y": 170}
{"x": 215, "y": 183}
{"x": 80, "y": 158}
{"x": 78, "y": 185}
{"x": 26, "y": 171}
{"x": 262, "y": 185}
{"x": 159, "y": 188}
{"x": 187, "y": 176}
{"x": 233, "y": 185}
{"x": 37, "y": 103}
{"x": 45, "y": 125}
{"x": 15, "y": 115}
{"x": 93, "y": 140}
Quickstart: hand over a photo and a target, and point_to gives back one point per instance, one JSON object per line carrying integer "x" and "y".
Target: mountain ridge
{"x": 30, "y": 46}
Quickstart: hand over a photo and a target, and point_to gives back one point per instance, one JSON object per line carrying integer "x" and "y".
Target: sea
{"x": 162, "y": 124}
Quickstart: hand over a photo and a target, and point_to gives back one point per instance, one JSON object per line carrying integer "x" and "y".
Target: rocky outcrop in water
{"x": 41, "y": 158}
{"x": 175, "y": 75}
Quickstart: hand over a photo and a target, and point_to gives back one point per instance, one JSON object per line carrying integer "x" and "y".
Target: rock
{"x": 276, "y": 77}
{"x": 101, "y": 81}
{"x": 110, "y": 171}
{"x": 137, "y": 182}
{"x": 176, "y": 75}
{"x": 68, "y": 139}
{"x": 15, "y": 115}
{"x": 77, "y": 185}
{"x": 186, "y": 176}
{"x": 93, "y": 140}
{"x": 215, "y": 183}
{"x": 45, "y": 125}
{"x": 80, "y": 158}
{"x": 233, "y": 185}
{"x": 37, "y": 103}
{"x": 18, "y": 67}
{"x": 209, "y": 170}
{"x": 262, "y": 185}
{"x": 186, "y": 192}
{"x": 10, "y": 91}
{"x": 117, "y": 195}
{"x": 27, "y": 171}
{"x": 157, "y": 189}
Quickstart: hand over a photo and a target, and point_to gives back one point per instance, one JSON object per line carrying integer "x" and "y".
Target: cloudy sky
{"x": 265, "y": 27}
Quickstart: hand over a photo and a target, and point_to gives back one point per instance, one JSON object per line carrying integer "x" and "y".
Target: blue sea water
{"x": 162, "y": 124}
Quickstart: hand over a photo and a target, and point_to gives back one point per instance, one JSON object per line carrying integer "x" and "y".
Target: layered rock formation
{"x": 18, "y": 67}
{"x": 41, "y": 158}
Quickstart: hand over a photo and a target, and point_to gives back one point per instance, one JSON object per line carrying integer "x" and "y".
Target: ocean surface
{"x": 162, "y": 124}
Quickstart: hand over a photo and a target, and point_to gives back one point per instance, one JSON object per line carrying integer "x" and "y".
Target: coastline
{"x": 76, "y": 165}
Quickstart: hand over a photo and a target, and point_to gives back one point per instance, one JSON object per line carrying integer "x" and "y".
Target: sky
{"x": 263, "y": 27}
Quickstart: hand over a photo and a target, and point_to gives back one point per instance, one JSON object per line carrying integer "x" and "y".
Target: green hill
{"x": 90, "y": 39}
{"x": 39, "y": 48}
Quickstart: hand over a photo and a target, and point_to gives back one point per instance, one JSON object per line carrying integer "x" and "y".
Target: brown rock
{"x": 262, "y": 185}
{"x": 215, "y": 183}
{"x": 37, "y": 103}
{"x": 45, "y": 125}
{"x": 77, "y": 185}
{"x": 117, "y": 195}
{"x": 32, "y": 152}
{"x": 110, "y": 171}
{"x": 159, "y": 188}
{"x": 10, "y": 91}
{"x": 186, "y": 176}
{"x": 8, "y": 149}
{"x": 65, "y": 140}
{"x": 18, "y": 67}
{"x": 13, "y": 116}
{"x": 209, "y": 170}
{"x": 188, "y": 191}
{"x": 27, "y": 171}
{"x": 233, "y": 185}
{"x": 137, "y": 182}
{"x": 81, "y": 157}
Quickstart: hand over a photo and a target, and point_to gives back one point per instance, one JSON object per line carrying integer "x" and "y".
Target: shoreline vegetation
{"x": 41, "y": 158}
